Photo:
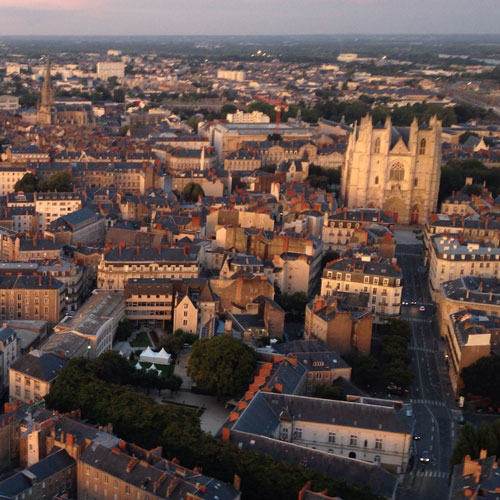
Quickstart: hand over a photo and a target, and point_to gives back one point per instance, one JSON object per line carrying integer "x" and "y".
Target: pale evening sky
{"x": 220, "y": 17}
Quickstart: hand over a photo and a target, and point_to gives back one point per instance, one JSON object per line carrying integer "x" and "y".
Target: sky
{"x": 248, "y": 17}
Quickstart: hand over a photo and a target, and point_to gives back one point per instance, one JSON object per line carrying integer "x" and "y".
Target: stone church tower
{"x": 46, "y": 108}
{"x": 394, "y": 168}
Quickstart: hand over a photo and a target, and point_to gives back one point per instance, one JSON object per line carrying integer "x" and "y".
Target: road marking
{"x": 432, "y": 473}
{"x": 432, "y": 437}
{"x": 427, "y": 402}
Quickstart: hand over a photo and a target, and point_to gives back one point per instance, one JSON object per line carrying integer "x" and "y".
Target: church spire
{"x": 47, "y": 98}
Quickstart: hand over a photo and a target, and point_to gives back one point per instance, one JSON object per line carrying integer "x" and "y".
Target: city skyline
{"x": 201, "y": 17}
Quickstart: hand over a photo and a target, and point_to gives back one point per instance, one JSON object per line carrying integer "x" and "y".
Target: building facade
{"x": 393, "y": 168}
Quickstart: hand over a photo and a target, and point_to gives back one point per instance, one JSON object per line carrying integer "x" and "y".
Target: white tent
{"x": 148, "y": 356}
{"x": 163, "y": 357}
{"x": 138, "y": 366}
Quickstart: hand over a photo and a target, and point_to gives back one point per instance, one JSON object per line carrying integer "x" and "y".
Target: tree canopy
{"x": 139, "y": 419}
{"x": 482, "y": 378}
{"x": 28, "y": 183}
{"x": 223, "y": 366}
{"x": 472, "y": 439}
{"x": 192, "y": 191}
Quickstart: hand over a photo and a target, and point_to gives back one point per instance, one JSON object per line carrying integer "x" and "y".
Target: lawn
{"x": 141, "y": 340}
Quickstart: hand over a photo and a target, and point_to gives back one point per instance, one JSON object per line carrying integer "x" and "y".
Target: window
{"x": 397, "y": 172}
{"x": 298, "y": 433}
{"x": 331, "y": 437}
{"x": 376, "y": 180}
{"x": 378, "y": 444}
{"x": 353, "y": 441}
{"x": 423, "y": 143}
{"x": 415, "y": 182}
{"x": 127, "y": 489}
{"x": 377, "y": 146}
{"x": 367, "y": 279}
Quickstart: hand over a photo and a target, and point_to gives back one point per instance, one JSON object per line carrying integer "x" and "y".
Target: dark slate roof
{"x": 42, "y": 366}
{"x": 75, "y": 220}
{"x": 57, "y": 461}
{"x": 351, "y": 470}
{"x": 346, "y": 413}
{"x": 28, "y": 245}
{"x": 30, "y": 283}
{"x": 7, "y": 334}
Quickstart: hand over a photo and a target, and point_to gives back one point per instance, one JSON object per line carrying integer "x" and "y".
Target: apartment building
{"x": 381, "y": 278}
{"x": 242, "y": 160}
{"x": 72, "y": 275}
{"x": 32, "y": 298}
{"x": 149, "y": 301}
{"x": 467, "y": 292}
{"x": 452, "y": 257}
{"x": 355, "y": 227}
{"x": 51, "y": 206}
{"x": 96, "y": 320}
{"x": 121, "y": 264}
{"x": 476, "y": 229}
{"x": 470, "y": 334}
{"x": 181, "y": 159}
{"x": 9, "y": 175}
{"x": 10, "y": 349}
{"x": 343, "y": 321}
{"x": 32, "y": 376}
{"x": 9, "y": 103}
{"x": 81, "y": 226}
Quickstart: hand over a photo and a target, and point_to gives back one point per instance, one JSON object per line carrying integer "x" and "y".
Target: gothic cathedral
{"x": 393, "y": 168}
{"x": 46, "y": 107}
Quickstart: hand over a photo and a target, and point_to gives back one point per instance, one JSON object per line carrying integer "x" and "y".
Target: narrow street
{"x": 430, "y": 394}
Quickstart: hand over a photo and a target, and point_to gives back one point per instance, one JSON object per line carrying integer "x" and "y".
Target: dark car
{"x": 425, "y": 458}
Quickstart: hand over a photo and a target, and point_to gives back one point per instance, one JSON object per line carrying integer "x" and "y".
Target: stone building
{"x": 343, "y": 322}
{"x": 121, "y": 264}
{"x": 50, "y": 112}
{"x": 393, "y": 168}
{"x": 381, "y": 278}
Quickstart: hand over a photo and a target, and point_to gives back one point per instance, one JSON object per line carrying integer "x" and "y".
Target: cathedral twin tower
{"x": 394, "y": 168}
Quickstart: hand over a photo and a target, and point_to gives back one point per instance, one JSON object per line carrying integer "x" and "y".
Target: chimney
{"x": 228, "y": 327}
{"x": 138, "y": 250}
{"x": 40, "y": 280}
{"x": 70, "y": 440}
{"x": 186, "y": 250}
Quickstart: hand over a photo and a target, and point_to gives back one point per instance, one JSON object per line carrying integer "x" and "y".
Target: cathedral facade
{"x": 50, "y": 111}
{"x": 394, "y": 168}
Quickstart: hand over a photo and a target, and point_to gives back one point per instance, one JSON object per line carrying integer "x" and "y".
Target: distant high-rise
{"x": 46, "y": 107}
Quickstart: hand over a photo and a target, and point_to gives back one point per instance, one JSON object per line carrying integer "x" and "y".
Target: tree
{"x": 193, "y": 122}
{"x": 482, "y": 378}
{"x": 228, "y": 108}
{"x": 293, "y": 304}
{"x": 327, "y": 391}
{"x": 222, "y": 365}
{"x": 192, "y": 192}
{"x": 124, "y": 330}
{"x": 28, "y": 183}
{"x": 60, "y": 182}
{"x": 366, "y": 370}
{"x": 119, "y": 95}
